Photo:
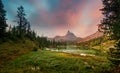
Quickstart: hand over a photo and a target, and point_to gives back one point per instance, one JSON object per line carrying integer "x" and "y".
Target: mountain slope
{"x": 93, "y": 36}
{"x": 69, "y": 36}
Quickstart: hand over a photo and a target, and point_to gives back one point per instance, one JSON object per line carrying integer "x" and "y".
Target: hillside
{"x": 105, "y": 45}
{"x": 13, "y": 49}
{"x": 91, "y": 37}
{"x": 101, "y": 43}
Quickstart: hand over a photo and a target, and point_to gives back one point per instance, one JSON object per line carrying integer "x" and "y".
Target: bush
{"x": 35, "y": 49}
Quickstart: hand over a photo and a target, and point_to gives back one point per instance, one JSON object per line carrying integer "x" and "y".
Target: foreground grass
{"x": 54, "y": 62}
{"x": 12, "y": 49}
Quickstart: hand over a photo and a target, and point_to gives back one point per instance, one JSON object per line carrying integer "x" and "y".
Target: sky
{"x": 56, "y": 17}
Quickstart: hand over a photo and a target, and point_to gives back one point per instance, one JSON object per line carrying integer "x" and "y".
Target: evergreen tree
{"x": 28, "y": 30}
{"x": 111, "y": 22}
{"x": 14, "y": 31}
{"x": 111, "y": 26}
{"x": 9, "y": 30}
{"x": 22, "y": 21}
{"x": 24, "y": 28}
{"x": 3, "y": 24}
{"x": 33, "y": 35}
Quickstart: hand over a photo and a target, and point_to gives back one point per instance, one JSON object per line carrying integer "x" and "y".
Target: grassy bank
{"x": 13, "y": 49}
{"x": 56, "y": 62}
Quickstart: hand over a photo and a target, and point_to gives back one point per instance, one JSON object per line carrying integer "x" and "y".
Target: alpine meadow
{"x": 59, "y": 36}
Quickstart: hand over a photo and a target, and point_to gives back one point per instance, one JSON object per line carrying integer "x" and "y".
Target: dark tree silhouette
{"x": 28, "y": 28}
{"x": 111, "y": 22}
{"x": 3, "y": 24}
{"x": 14, "y": 31}
{"x": 24, "y": 28}
{"x": 22, "y": 21}
{"x": 28, "y": 31}
{"x": 111, "y": 26}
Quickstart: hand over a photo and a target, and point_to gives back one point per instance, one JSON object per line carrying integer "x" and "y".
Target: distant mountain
{"x": 93, "y": 36}
{"x": 69, "y": 36}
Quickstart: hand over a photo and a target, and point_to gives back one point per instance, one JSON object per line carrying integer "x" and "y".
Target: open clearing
{"x": 56, "y": 62}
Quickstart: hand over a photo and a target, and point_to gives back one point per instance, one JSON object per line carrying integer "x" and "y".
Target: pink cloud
{"x": 68, "y": 16}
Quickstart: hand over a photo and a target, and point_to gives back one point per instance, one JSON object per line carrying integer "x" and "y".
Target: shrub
{"x": 35, "y": 49}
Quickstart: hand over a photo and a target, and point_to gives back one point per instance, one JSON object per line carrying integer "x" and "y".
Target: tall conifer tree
{"x": 111, "y": 26}
{"x": 22, "y": 21}
{"x": 3, "y": 24}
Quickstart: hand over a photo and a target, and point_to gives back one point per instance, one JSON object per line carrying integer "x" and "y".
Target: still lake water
{"x": 86, "y": 52}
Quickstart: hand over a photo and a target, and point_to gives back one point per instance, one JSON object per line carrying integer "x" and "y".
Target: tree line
{"x": 22, "y": 30}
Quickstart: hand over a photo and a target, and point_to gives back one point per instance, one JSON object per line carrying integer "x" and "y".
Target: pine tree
{"x": 111, "y": 22}
{"x": 14, "y": 31}
{"x": 24, "y": 28}
{"x": 28, "y": 30}
{"x": 22, "y": 21}
{"x": 33, "y": 35}
{"x": 111, "y": 26}
{"x": 3, "y": 24}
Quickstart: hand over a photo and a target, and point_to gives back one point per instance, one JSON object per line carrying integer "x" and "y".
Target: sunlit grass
{"x": 56, "y": 62}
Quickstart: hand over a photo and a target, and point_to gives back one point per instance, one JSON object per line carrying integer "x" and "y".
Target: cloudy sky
{"x": 56, "y": 17}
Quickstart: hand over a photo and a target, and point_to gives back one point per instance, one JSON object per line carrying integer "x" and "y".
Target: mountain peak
{"x": 70, "y": 34}
{"x": 68, "y": 31}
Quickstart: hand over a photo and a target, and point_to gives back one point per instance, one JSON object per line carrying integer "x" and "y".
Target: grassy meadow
{"x": 56, "y": 62}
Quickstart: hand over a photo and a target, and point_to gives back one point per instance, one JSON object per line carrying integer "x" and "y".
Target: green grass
{"x": 56, "y": 62}
{"x": 13, "y": 49}
{"x": 105, "y": 45}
